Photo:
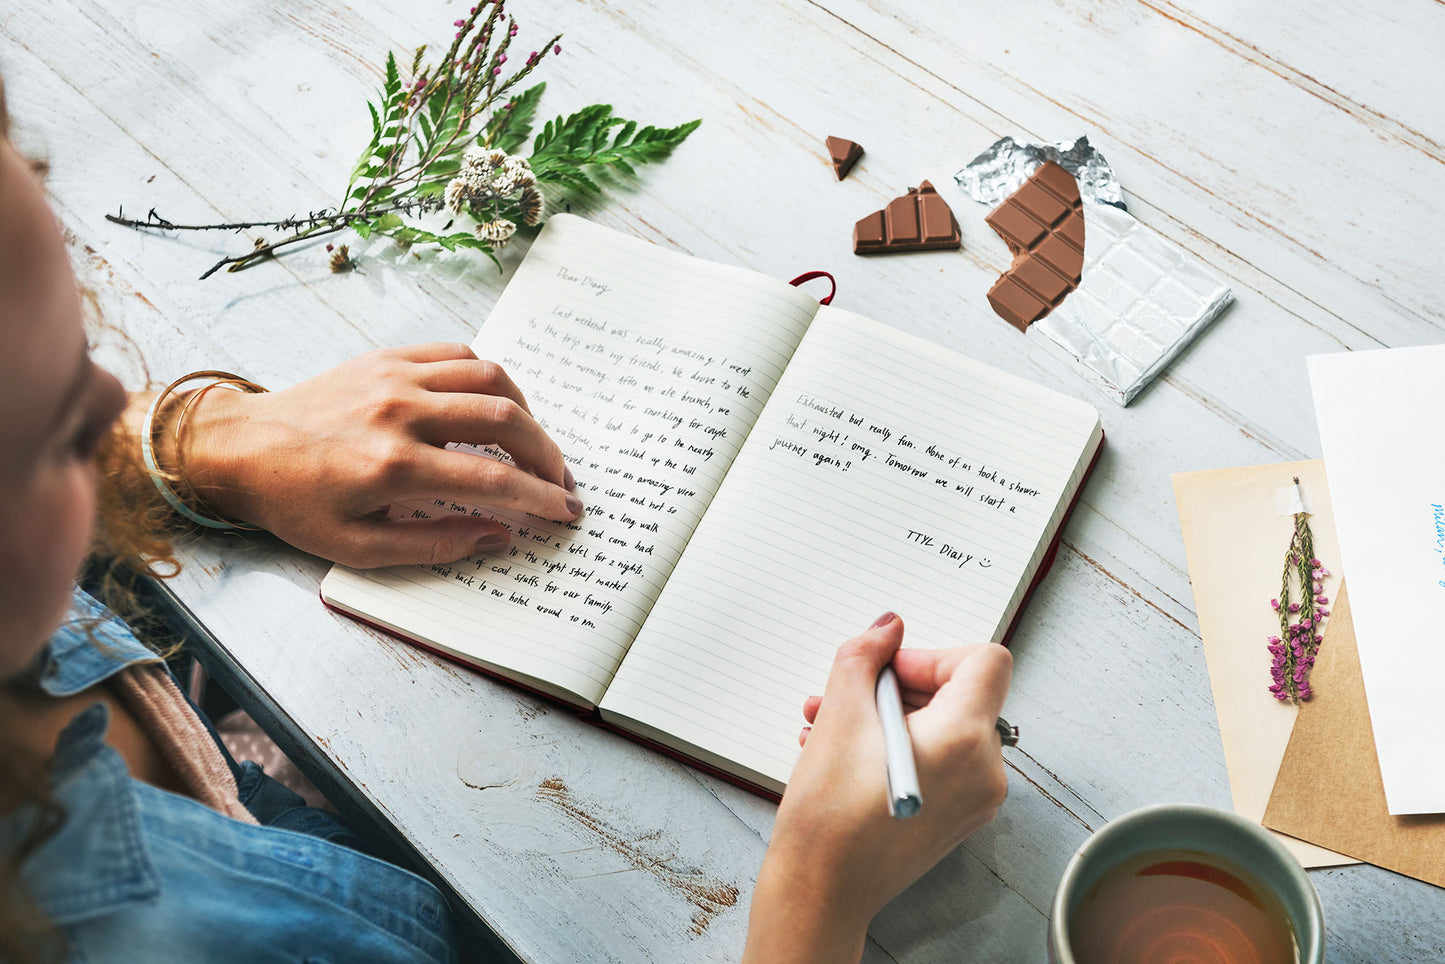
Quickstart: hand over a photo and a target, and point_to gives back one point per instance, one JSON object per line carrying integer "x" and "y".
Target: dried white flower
{"x": 458, "y": 193}
{"x": 532, "y": 205}
{"x": 498, "y": 231}
{"x": 493, "y": 173}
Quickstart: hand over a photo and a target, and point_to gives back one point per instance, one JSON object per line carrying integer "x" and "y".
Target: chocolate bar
{"x": 1043, "y": 225}
{"x": 845, "y": 154}
{"x": 918, "y": 221}
{"x": 1143, "y": 298}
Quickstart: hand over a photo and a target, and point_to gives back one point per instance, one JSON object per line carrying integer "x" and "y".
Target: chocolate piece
{"x": 918, "y": 221}
{"x": 845, "y": 154}
{"x": 1043, "y": 224}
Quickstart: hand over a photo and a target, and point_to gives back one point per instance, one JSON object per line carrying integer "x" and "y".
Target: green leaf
{"x": 568, "y": 178}
{"x": 375, "y": 120}
{"x": 592, "y": 137}
{"x": 362, "y": 228}
{"x": 393, "y": 78}
{"x": 387, "y": 223}
{"x": 447, "y": 166}
{"x": 437, "y": 101}
{"x": 508, "y": 130}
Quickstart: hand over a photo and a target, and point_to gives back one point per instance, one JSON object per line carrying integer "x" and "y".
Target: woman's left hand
{"x": 321, "y": 463}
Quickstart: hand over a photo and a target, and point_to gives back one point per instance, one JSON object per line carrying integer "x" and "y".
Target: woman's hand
{"x": 320, "y": 463}
{"x": 836, "y": 855}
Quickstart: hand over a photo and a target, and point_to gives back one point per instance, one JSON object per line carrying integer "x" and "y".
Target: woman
{"x": 153, "y": 852}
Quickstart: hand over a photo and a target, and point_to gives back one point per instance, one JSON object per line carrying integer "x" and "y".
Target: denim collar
{"x": 97, "y": 863}
{"x": 92, "y": 645}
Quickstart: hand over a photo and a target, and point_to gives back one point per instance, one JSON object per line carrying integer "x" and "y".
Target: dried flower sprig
{"x": 1301, "y": 619}
{"x": 448, "y": 138}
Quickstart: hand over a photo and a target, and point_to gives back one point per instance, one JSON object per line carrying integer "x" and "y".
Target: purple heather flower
{"x": 1322, "y": 600}
{"x": 1307, "y": 623}
{"x": 1324, "y": 612}
{"x": 501, "y": 58}
{"x": 496, "y": 71}
{"x": 1319, "y": 638}
{"x": 459, "y": 23}
{"x": 1294, "y": 607}
{"x": 1274, "y": 604}
{"x": 1316, "y": 563}
{"x": 556, "y": 48}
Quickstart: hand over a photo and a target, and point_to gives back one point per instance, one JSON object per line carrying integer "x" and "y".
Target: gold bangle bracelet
{"x": 161, "y": 479}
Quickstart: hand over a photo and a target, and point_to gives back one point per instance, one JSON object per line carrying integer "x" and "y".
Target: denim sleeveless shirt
{"x": 139, "y": 874}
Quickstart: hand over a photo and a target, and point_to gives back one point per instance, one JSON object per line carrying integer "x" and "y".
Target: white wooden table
{"x": 1293, "y": 146}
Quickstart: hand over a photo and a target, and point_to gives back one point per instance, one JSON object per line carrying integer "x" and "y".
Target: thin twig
{"x": 239, "y": 261}
{"x": 323, "y": 217}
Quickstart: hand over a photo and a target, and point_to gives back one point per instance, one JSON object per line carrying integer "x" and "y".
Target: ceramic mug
{"x": 1183, "y": 876}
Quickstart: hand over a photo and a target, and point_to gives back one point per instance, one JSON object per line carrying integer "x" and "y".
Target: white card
{"x": 1382, "y": 427}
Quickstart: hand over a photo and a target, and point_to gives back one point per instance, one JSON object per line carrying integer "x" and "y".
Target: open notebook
{"x": 763, "y": 476}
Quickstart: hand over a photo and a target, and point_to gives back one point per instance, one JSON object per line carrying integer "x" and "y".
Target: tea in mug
{"x": 1180, "y": 906}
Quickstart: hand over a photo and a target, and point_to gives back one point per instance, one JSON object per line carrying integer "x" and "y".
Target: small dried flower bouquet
{"x": 446, "y": 141}
{"x": 1302, "y": 615}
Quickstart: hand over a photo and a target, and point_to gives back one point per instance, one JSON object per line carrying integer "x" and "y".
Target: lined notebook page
{"x": 886, "y": 473}
{"x": 648, "y": 368}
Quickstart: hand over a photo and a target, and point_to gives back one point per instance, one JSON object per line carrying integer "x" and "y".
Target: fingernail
{"x": 490, "y": 542}
{"x": 884, "y": 620}
{"x": 568, "y": 482}
{"x": 574, "y": 504}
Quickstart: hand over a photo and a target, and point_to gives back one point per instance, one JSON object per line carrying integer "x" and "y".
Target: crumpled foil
{"x": 1141, "y": 299}
{"x": 997, "y": 172}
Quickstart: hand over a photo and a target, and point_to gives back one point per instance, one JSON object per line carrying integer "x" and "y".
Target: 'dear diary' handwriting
{"x": 760, "y": 473}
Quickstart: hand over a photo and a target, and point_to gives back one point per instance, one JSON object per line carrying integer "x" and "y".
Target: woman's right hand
{"x": 837, "y": 856}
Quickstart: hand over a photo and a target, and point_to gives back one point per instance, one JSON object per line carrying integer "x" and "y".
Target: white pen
{"x": 904, "y": 797}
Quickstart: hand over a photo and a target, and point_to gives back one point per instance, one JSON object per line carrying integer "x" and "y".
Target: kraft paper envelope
{"x": 1380, "y": 414}
{"x": 1235, "y": 538}
{"x": 1329, "y": 788}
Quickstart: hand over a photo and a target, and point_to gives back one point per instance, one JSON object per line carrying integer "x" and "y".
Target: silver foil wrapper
{"x": 1141, "y": 299}
{"x": 997, "y": 172}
